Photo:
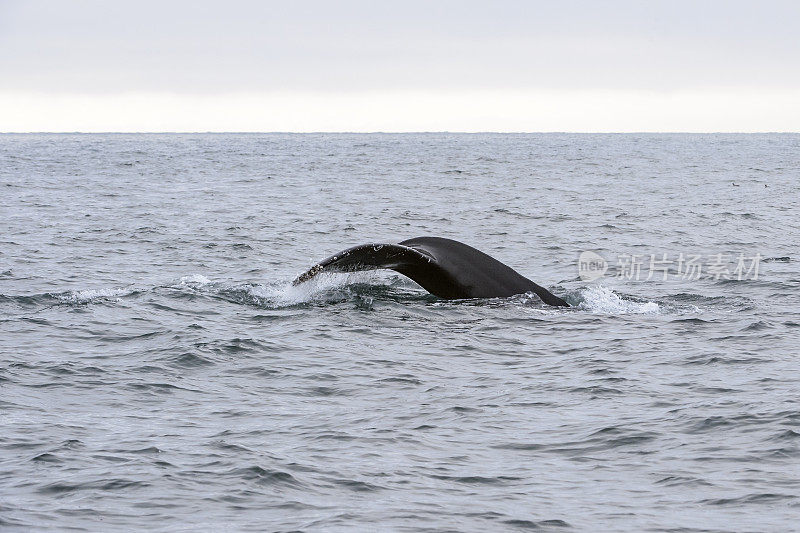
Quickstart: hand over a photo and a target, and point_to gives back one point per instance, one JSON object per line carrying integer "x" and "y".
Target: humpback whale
{"x": 446, "y": 268}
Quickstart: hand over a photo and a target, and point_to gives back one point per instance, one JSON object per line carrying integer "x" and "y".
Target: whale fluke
{"x": 444, "y": 267}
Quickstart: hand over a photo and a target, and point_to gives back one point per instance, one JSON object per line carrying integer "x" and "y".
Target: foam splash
{"x": 91, "y": 295}
{"x": 322, "y": 288}
{"x": 326, "y": 288}
{"x": 601, "y": 300}
{"x": 335, "y": 287}
{"x": 195, "y": 279}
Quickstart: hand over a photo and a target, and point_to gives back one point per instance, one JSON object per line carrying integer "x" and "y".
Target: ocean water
{"x": 159, "y": 372}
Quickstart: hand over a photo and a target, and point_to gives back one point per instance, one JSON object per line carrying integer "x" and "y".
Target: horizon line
{"x": 398, "y": 132}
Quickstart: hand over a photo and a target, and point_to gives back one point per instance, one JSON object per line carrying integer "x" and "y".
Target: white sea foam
{"x": 90, "y": 295}
{"x": 602, "y": 300}
{"x": 195, "y": 279}
{"x": 320, "y": 288}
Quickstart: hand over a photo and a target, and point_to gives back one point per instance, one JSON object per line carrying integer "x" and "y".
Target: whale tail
{"x": 444, "y": 267}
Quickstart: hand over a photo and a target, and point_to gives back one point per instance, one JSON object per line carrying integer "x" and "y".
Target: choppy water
{"x": 159, "y": 372}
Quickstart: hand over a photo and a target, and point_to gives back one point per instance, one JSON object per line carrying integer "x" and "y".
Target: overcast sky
{"x": 399, "y": 66}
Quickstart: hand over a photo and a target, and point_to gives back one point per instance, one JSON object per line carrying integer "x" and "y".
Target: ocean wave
{"x": 360, "y": 288}
{"x": 91, "y": 295}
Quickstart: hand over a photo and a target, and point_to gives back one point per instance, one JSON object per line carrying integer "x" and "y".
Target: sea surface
{"x": 159, "y": 372}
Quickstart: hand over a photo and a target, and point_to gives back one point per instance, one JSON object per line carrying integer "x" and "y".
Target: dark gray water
{"x": 159, "y": 372}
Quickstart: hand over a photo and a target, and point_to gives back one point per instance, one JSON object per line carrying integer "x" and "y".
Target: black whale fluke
{"x": 444, "y": 267}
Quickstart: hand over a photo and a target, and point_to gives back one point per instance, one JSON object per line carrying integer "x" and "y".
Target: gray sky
{"x": 62, "y": 54}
